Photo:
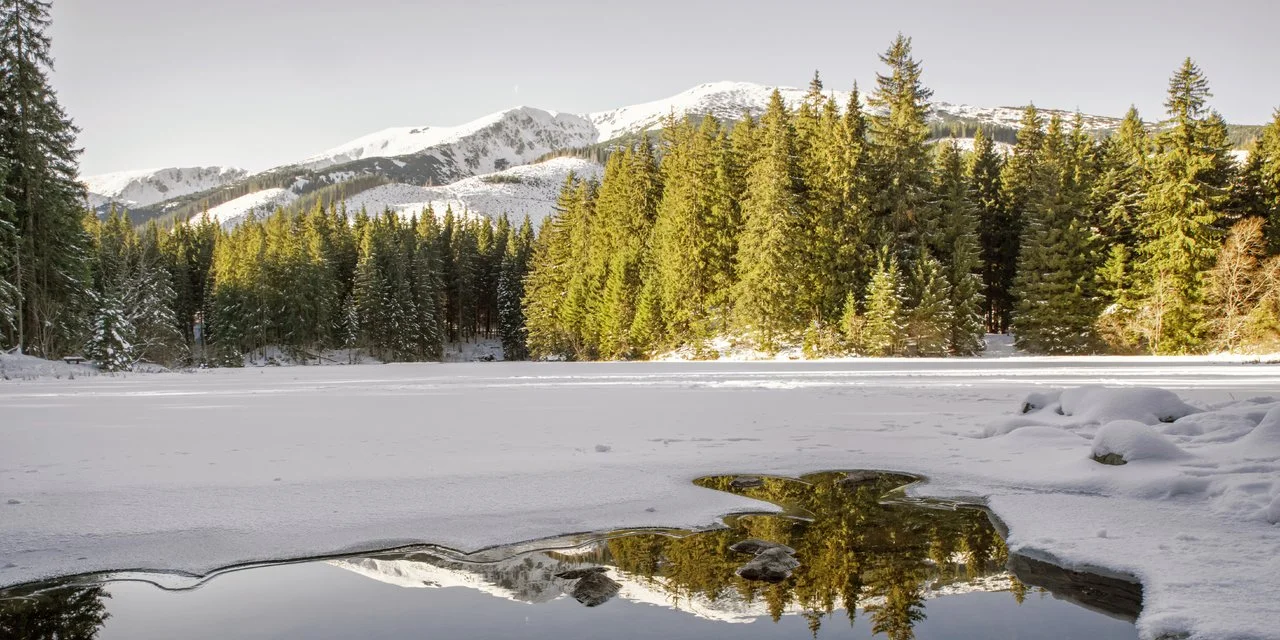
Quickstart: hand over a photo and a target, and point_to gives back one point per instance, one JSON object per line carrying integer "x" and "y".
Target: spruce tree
{"x": 618, "y": 305}
{"x": 836, "y": 195}
{"x": 852, "y": 325}
{"x": 883, "y": 327}
{"x": 998, "y": 233}
{"x": 37, "y": 141}
{"x": 1056, "y": 286}
{"x": 547, "y": 309}
{"x": 625, "y": 212}
{"x": 849, "y": 168}
{"x": 159, "y": 337}
{"x": 1116, "y": 324}
{"x": 929, "y": 319}
{"x": 744, "y": 143}
{"x": 691, "y": 263}
{"x": 1021, "y": 178}
{"x": 1182, "y": 209}
{"x": 1264, "y": 173}
{"x": 583, "y": 290}
{"x": 511, "y": 292}
{"x": 132, "y": 316}
{"x": 956, "y": 245}
{"x": 899, "y": 133}
{"x": 427, "y": 288}
{"x": 189, "y": 250}
{"x": 768, "y": 293}
{"x": 8, "y": 258}
{"x": 1122, "y": 182}
{"x": 109, "y": 345}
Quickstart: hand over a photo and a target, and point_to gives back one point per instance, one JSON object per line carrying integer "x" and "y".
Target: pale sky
{"x": 259, "y": 83}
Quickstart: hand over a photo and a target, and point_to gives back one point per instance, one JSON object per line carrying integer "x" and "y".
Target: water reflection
{"x": 836, "y": 553}
{"x": 67, "y": 613}
{"x": 855, "y": 554}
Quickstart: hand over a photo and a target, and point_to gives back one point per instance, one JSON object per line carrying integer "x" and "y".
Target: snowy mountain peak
{"x": 420, "y": 158}
{"x": 490, "y": 143}
{"x": 143, "y": 187}
{"x": 726, "y": 100}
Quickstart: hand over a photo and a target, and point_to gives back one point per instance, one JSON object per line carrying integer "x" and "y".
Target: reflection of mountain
{"x": 531, "y": 578}
{"x": 528, "y": 578}
{"x": 855, "y": 554}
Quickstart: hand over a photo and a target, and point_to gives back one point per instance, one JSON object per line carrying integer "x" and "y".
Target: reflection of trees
{"x": 61, "y": 614}
{"x": 853, "y": 551}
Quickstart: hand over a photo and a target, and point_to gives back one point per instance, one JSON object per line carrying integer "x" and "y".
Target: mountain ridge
{"x": 430, "y": 155}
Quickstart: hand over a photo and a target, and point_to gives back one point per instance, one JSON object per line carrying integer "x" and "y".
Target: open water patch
{"x": 839, "y": 561}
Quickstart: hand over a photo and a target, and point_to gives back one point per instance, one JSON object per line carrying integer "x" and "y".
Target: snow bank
{"x": 480, "y": 350}
{"x": 15, "y": 366}
{"x": 192, "y": 472}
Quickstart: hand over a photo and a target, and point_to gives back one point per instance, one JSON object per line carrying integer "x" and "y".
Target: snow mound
{"x": 1145, "y": 405}
{"x": 1133, "y": 440}
{"x": 1265, "y": 436}
{"x": 1097, "y": 404}
{"x": 1084, "y": 409}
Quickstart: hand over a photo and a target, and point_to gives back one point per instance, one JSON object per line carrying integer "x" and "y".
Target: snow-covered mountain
{"x": 729, "y": 100}
{"x": 529, "y": 190}
{"x": 525, "y": 190}
{"x": 441, "y": 155}
{"x": 492, "y": 143}
{"x": 473, "y": 166}
{"x": 149, "y": 186}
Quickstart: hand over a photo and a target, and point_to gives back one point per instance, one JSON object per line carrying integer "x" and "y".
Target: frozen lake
{"x": 193, "y": 472}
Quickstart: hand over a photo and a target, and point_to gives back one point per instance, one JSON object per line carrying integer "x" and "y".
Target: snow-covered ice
{"x": 193, "y": 472}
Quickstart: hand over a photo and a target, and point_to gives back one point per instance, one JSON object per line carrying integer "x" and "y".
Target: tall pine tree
{"x": 899, "y": 133}
{"x": 956, "y": 244}
{"x": 37, "y": 140}
{"x": 1055, "y": 286}
{"x": 768, "y": 295}
{"x": 998, "y": 233}
{"x": 1182, "y": 209}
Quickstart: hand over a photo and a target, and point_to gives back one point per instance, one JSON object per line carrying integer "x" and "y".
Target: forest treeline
{"x": 306, "y": 283}
{"x": 849, "y": 231}
{"x": 841, "y": 228}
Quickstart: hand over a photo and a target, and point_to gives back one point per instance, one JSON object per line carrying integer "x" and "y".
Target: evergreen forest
{"x": 839, "y": 229}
